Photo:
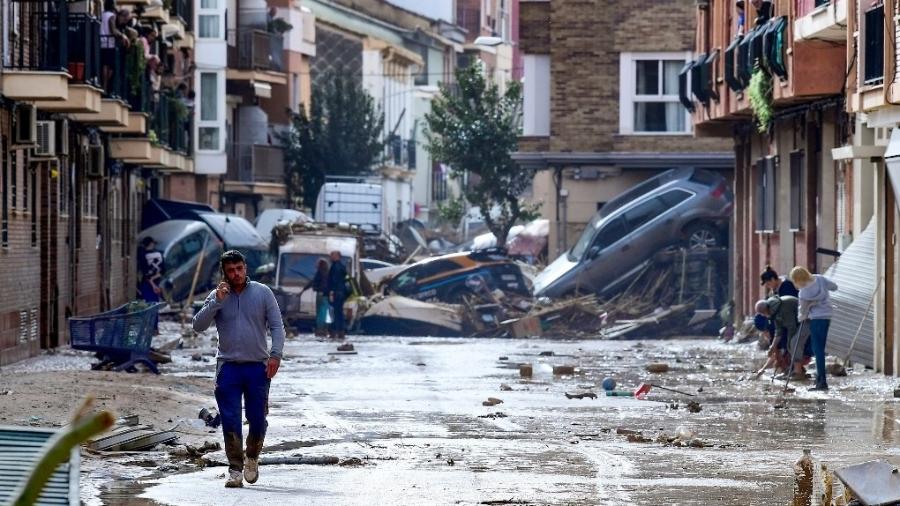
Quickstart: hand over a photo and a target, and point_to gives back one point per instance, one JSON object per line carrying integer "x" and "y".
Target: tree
{"x": 474, "y": 128}
{"x": 340, "y": 136}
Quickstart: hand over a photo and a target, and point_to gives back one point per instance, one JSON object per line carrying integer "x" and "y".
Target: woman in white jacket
{"x": 816, "y": 311}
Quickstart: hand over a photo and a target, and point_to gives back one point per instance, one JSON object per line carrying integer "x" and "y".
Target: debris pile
{"x": 129, "y": 435}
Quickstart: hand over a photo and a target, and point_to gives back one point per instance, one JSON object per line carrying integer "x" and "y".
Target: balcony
{"x": 183, "y": 11}
{"x": 400, "y": 153}
{"x": 800, "y": 71}
{"x": 37, "y": 63}
{"x": 820, "y": 20}
{"x": 256, "y": 55}
{"x": 83, "y": 66}
{"x": 256, "y": 163}
{"x": 171, "y": 123}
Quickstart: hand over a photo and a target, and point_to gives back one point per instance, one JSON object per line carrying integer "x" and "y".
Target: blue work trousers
{"x": 818, "y": 335}
{"x": 247, "y": 381}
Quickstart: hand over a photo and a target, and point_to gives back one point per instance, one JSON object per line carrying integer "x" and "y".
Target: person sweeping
{"x": 244, "y": 312}
{"x": 816, "y": 309}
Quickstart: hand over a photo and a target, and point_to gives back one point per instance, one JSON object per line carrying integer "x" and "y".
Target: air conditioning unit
{"x": 96, "y": 161}
{"x": 45, "y": 146}
{"x": 25, "y": 126}
{"x": 62, "y": 137}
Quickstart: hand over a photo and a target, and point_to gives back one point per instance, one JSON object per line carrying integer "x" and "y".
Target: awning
{"x": 892, "y": 163}
{"x": 854, "y": 273}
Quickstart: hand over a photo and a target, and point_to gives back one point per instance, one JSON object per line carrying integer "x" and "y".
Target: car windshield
{"x": 577, "y": 251}
{"x": 298, "y": 269}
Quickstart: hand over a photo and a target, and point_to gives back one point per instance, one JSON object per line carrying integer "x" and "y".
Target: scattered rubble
{"x": 496, "y": 415}
{"x": 657, "y": 368}
{"x": 589, "y": 395}
{"x": 694, "y": 407}
{"x": 525, "y": 370}
{"x": 505, "y": 388}
{"x": 129, "y": 435}
{"x": 563, "y": 370}
{"x": 492, "y": 401}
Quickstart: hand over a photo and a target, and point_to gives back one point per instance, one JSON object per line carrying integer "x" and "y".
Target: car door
{"x": 602, "y": 263}
{"x": 646, "y": 233}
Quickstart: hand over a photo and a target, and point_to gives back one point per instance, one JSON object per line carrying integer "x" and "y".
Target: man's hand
{"x": 272, "y": 367}
{"x": 222, "y": 291}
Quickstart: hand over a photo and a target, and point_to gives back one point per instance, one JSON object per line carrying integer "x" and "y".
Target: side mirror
{"x": 593, "y": 252}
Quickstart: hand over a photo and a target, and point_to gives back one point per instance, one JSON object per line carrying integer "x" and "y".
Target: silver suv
{"x": 687, "y": 206}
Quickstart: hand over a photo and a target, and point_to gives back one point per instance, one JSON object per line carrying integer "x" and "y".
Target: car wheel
{"x": 702, "y": 236}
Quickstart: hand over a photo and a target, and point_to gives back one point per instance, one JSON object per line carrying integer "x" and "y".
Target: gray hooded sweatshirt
{"x": 815, "y": 301}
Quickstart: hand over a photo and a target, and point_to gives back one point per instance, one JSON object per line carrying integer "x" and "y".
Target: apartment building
{"x": 601, "y": 109}
{"x": 90, "y": 125}
{"x": 400, "y": 58}
{"x": 267, "y": 48}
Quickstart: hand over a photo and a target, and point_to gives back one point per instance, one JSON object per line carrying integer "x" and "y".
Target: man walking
{"x": 337, "y": 293}
{"x": 244, "y": 311}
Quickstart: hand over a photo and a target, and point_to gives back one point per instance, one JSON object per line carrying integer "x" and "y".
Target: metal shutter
{"x": 854, "y": 273}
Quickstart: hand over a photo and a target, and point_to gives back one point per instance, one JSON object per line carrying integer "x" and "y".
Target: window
{"x": 672, "y": 198}
{"x": 4, "y": 194}
{"x": 209, "y": 128}
{"x": 765, "y": 194}
{"x": 643, "y": 213}
{"x": 611, "y": 233}
{"x": 797, "y": 190}
{"x": 209, "y": 19}
{"x": 14, "y": 178}
{"x": 536, "y": 95}
{"x": 34, "y": 208}
{"x": 873, "y": 71}
{"x": 649, "y": 99}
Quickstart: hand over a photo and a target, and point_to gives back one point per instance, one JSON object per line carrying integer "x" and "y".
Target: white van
{"x": 296, "y": 267}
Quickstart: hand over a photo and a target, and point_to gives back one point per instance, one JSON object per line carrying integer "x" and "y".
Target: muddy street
{"x": 411, "y": 411}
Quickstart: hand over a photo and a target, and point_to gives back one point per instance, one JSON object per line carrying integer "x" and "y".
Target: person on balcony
{"x": 110, "y": 36}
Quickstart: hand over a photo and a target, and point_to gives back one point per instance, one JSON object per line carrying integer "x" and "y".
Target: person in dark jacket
{"x": 783, "y": 311}
{"x": 319, "y": 284}
{"x": 777, "y": 285}
{"x": 337, "y": 294}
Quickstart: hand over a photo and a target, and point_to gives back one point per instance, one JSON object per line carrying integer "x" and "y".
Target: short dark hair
{"x": 231, "y": 256}
{"x": 147, "y": 241}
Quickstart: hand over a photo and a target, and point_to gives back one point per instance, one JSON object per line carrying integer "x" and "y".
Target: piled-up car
{"x": 689, "y": 207}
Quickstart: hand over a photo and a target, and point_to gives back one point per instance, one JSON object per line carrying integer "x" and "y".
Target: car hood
{"x": 554, "y": 271}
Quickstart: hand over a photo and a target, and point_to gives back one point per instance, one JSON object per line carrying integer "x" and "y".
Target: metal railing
{"x": 84, "y": 49}
{"x": 399, "y": 152}
{"x": 41, "y": 42}
{"x": 184, "y": 9}
{"x": 113, "y": 69}
{"x": 258, "y": 163}
{"x": 255, "y": 49}
{"x": 171, "y": 122}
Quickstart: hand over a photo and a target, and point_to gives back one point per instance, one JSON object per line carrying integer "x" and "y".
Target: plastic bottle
{"x": 803, "y": 480}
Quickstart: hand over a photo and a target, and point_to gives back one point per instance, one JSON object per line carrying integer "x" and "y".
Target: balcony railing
{"x": 400, "y": 153}
{"x": 255, "y": 49}
{"x": 84, "y": 49}
{"x": 171, "y": 122}
{"x": 184, "y": 9}
{"x": 113, "y": 67}
{"x": 41, "y": 40}
{"x": 257, "y": 163}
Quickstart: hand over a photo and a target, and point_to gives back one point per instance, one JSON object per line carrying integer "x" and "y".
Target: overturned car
{"x": 689, "y": 207}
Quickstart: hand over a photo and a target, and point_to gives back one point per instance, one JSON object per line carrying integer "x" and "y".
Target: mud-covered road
{"x": 411, "y": 411}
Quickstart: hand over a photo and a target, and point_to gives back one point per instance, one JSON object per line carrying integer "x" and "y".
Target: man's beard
{"x": 238, "y": 282}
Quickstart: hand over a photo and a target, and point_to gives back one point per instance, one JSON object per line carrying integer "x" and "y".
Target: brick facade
{"x": 584, "y": 40}
{"x": 68, "y": 247}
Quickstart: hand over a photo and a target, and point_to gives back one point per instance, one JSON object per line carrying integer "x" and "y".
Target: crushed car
{"x": 688, "y": 207}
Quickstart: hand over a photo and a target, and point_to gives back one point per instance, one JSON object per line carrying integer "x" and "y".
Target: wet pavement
{"x": 411, "y": 411}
